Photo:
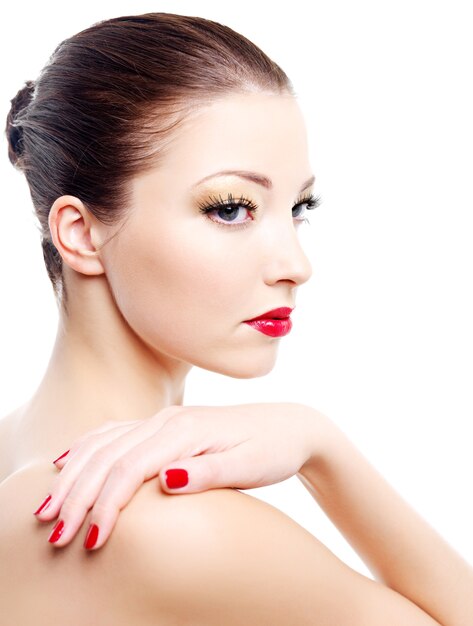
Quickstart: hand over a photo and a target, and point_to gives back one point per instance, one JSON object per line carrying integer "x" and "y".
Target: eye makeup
{"x": 231, "y": 206}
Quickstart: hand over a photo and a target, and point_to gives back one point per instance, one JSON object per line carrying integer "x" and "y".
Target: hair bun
{"x": 13, "y": 129}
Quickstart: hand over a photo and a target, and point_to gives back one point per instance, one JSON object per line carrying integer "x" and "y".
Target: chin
{"x": 243, "y": 364}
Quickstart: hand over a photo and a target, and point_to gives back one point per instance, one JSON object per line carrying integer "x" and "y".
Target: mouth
{"x": 274, "y": 323}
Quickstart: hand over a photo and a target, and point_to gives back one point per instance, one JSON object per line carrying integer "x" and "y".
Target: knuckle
{"x": 82, "y": 446}
{"x": 126, "y": 466}
{"x": 72, "y": 505}
{"x": 60, "y": 486}
{"x": 103, "y": 509}
{"x": 92, "y": 435}
{"x": 183, "y": 422}
{"x": 100, "y": 458}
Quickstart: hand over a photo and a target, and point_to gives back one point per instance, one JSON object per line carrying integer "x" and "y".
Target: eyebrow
{"x": 259, "y": 179}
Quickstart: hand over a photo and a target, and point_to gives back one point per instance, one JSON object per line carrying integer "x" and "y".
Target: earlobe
{"x": 71, "y": 226}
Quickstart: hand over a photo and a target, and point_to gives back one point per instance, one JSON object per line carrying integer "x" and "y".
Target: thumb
{"x": 207, "y": 471}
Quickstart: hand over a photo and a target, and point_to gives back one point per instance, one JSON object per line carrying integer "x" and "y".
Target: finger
{"x": 79, "y": 457}
{"x": 107, "y": 426}
{"x": 236, "y": 467}
{"x": 83, "y": 495}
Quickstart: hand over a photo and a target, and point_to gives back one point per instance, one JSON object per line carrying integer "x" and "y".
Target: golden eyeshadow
{"x": 236, "y": 191}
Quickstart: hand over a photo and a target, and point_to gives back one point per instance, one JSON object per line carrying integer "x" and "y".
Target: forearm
{"x": 400, "y": 548}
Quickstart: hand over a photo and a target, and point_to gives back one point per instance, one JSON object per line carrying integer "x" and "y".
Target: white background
{"x": 382, "y": 339}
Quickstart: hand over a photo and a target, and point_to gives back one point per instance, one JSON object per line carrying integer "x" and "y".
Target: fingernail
{"x": 92, "y": 535}
{"x": 57, "y": 532}
{"x": 61, "y": 457}
{"x": 44, "y": 505}
{"x": 176, "y": 478}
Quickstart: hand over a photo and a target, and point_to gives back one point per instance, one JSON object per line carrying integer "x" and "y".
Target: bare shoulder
{"x": 223, "y": 556}
{"x": 210, "y": 558}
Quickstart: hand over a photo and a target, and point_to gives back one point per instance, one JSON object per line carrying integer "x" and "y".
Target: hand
{"x": 241, "y": 446}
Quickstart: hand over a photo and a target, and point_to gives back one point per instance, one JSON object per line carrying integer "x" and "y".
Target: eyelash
{"x": 215, "y": 204}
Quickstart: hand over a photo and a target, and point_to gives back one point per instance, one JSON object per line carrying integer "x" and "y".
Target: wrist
{"x": 319, "y": 437}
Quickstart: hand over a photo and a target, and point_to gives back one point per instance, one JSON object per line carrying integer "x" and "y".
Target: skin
{"x": 148, "y": 298}
{"x": 129, "y": 341}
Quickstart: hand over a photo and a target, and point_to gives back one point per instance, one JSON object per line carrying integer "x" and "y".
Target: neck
{"x": 99, "y": 370}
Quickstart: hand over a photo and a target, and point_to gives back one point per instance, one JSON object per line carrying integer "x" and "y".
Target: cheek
{"x": 180, "y": 291}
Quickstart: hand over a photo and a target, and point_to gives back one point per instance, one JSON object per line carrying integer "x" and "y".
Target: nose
{"x": 285, "y": 258}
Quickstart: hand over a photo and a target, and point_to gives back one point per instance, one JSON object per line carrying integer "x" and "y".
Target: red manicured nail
{"x": 91, "y": 538}
{"x": 176, "y": 478}
{"x": 44, "y": 505}
{"x": 57, "y": 532}
{"x": 61, "y": 457}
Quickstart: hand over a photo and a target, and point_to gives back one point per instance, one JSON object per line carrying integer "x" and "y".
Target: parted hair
{"x": 108, "y": 101}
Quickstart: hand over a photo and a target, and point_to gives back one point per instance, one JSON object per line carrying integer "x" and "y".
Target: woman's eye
{"x": 229, "y": 211}
{"x": 231, "y": 214}
{"x": 311, "y": 202}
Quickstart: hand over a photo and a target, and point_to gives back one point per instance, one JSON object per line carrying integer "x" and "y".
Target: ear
{"x": 75, "y": 235}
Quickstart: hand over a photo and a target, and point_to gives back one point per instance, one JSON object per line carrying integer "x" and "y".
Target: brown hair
{"x": 106, "y": 103}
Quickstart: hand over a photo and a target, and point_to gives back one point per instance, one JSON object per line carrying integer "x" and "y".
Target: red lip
{"x": 274, "y": 314}
{"x": 275, "y": 323}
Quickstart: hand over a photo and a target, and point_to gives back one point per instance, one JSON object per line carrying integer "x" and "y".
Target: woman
{"x": 155, "y": 148}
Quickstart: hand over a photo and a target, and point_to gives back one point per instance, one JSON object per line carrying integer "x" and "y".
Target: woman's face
{"x": 185, "y": 281}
